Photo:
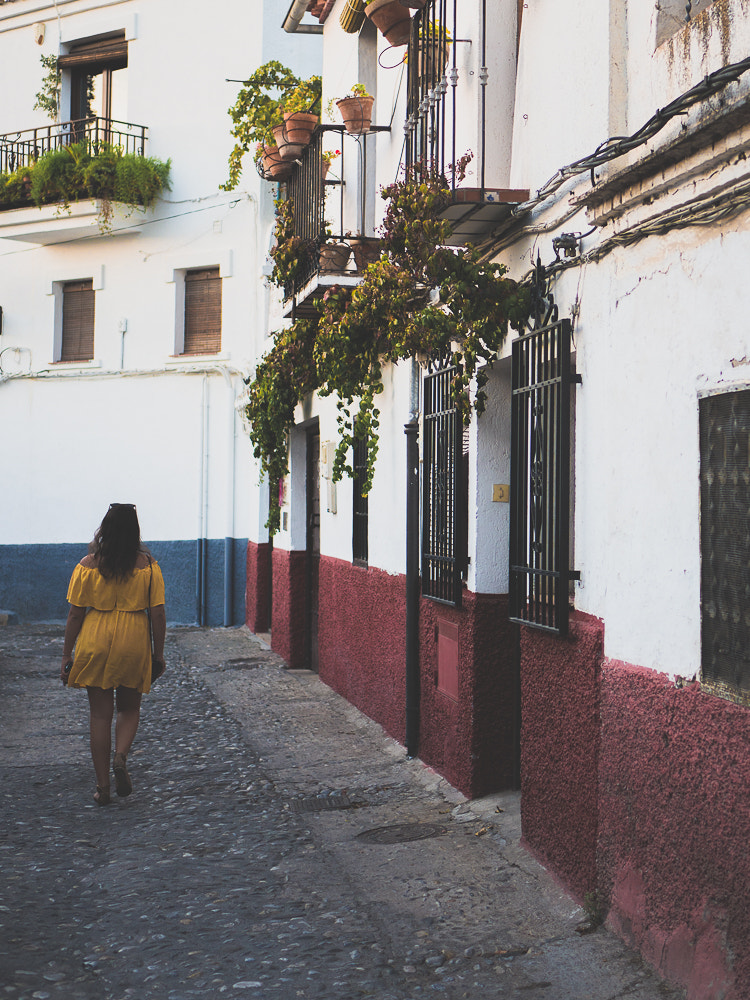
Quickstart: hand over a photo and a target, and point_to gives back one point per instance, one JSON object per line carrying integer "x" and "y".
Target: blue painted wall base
{"x": 34, "y": 579}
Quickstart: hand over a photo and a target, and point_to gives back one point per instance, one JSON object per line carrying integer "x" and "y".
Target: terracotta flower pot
{"x": 274, "y": 167}
{"x": 414, "y": 4}
{"x": 366, "y": 250}
{"x": 356, "y": 113}
{"x": 352, "y": 16}
{"x": 333, "y": 257}
{"x": 299, "y": 126}
{"x": 287, "y": 150}
{"x": 391, "y": 19}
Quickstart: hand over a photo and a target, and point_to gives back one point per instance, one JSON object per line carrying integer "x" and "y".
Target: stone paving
{"x": 268, "y": 851}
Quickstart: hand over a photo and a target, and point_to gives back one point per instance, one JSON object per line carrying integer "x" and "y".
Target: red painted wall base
{"x": 257, "y": 593}
{"x": 473, "y": 740}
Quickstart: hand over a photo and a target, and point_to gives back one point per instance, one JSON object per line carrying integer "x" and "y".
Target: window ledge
{"x": 68, "y": 366}
{"x": 54, "y": 224}
{"x": 197, "y": 359}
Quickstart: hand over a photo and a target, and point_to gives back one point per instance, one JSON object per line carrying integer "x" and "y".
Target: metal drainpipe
{"x": 411, "y": 430}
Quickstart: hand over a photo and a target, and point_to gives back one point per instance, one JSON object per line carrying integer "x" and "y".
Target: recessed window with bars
{"x": 360, "y": 511}
{"x": 725, "y": 544}
{"x": 202, "y": 311}
{"x": 444, "y": 496}
{"x": 540, "y": 573}
{"x": 77, "y": 341}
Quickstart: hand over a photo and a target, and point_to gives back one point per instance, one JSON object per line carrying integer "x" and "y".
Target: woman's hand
{"x": 67, "y": 663}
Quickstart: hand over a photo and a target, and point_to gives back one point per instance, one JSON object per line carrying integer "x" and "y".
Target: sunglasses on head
{"x": 130, "y": 505}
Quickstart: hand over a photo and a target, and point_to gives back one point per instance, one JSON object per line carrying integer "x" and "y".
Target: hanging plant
{"x": 267, "y": 93}
{"x": 73, "y": 172}
{"x": 421, "y": 297}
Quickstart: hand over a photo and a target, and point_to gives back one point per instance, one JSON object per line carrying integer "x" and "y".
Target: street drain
{"x": 401, "y": 833}
{"x": 325, "y": 802}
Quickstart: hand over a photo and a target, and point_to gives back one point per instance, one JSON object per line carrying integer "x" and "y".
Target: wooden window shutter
{"x": 202, "y": 311}
{"x": 110, "y": 53}
{"x": 77, "y": 321}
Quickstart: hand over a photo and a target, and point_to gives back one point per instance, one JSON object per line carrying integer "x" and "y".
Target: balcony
{"x": 443, "y": 122}
{"x": 46, "y": 197}
{"x": 22, "y": 149}
{"x": 316, "y": 195}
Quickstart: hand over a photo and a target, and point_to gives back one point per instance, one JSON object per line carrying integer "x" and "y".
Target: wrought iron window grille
{"x": 725, "y": 544}
{"x": 542, "y": 375}
{"x": 443, "y": 496}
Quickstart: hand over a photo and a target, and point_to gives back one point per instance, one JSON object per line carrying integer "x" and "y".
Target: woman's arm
{"x": 159, "y": 628}
{"x": 72, "y": 628}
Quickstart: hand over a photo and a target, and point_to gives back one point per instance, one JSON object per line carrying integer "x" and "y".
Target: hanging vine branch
{"x": 421, "y": 297}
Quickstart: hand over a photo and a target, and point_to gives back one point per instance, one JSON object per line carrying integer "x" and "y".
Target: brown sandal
{"x": 123, "y": 784}
{"x": 101, "y": 795}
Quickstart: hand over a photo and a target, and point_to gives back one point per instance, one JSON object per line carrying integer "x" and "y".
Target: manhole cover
{"x": 401, "y": 833}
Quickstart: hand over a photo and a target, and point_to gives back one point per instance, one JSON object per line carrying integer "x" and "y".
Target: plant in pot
{"x": 271, "y": 165}
{"x": 391, "y": 18}
{"x": 326, "y": 159}
{"x": 356, "y": 109}
{"x": 255, "y": 113}
{"x": 301, "y": 110}
{"x": 366, "y": 249}
{"x": 334, "y": 256}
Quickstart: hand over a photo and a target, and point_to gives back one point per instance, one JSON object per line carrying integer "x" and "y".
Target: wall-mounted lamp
{"x": 39, "y": 30}
{"x": 568, "y": 243}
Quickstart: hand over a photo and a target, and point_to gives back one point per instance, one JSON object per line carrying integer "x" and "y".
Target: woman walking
{"x": 109, "y": 594}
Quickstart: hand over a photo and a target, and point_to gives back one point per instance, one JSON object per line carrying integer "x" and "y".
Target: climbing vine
{"x": 421, "y": 298}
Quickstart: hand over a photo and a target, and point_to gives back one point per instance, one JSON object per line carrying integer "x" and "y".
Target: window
{"x": 444, "y": 495}
{"x": 97, "y": 78}
{"x": 202, "y": 331}
{"x": 360, "y": 504}
{"x": 540, "y": 572}
{"x": 77, "y": 341}
{"x": 725, "y": 544}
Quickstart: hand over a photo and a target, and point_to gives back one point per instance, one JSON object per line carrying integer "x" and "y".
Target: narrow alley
{"x": 277, "y": 845}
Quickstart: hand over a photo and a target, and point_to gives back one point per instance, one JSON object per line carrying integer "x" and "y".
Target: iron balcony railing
{"x": 21, "y": 149}
{"x": 433, "y": 77}
{"x": 306, "y": 188}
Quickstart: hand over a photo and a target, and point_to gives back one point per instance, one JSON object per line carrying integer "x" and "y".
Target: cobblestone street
{"x": 267, "y": 851}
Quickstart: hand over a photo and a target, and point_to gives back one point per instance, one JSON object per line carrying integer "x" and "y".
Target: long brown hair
{"x": 117, "y": 542}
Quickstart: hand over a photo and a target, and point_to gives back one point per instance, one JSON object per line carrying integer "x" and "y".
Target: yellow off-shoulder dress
{"x": 113, "y": 646}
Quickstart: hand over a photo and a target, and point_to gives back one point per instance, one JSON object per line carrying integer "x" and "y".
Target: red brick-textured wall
{"x": 288, "y": 626}
{"x": 257, "y": 586}
{"x": 361, "y": 640}
{"x": 560, "y": 748}
{"x": 472, "y": 741}
{"x": 674, "y": 828}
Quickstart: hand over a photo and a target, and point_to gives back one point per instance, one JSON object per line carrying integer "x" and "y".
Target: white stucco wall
{"x": 134, "y": 425}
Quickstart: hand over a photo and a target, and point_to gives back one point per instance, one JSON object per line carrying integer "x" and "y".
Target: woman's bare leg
{"x": 128, "y": 717}
{"x": 101, "y": 708}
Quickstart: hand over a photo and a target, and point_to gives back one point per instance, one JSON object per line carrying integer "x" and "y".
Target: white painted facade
{"x": 139, "y": 422}
{"x": 655, "y": 324}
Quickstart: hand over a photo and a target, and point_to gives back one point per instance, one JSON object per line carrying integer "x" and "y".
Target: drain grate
{"x": 324, "y": 802}
{"x": 401, "y": 833}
